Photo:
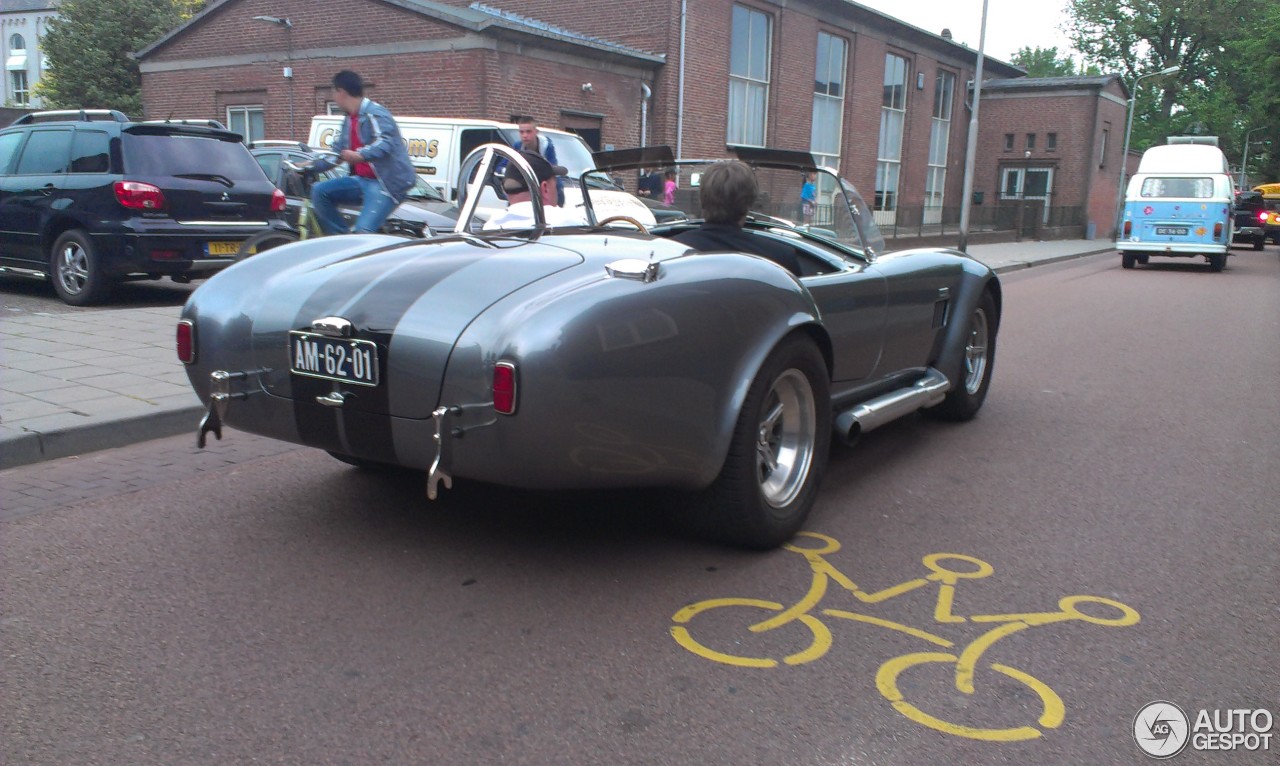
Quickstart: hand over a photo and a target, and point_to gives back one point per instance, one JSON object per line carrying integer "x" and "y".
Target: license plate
{"x": 1171, "y": 231}
{"x": 342, "y": 359}
{"x": 222, "y": 248}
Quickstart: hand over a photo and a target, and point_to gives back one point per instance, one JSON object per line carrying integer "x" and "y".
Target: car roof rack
{"x": 75, "y": 115}
{"x": 201, "y": 123}
{"x": 269, "y": 143}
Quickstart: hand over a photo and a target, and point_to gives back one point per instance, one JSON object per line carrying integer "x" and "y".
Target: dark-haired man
{"x": 381, "y": 172}
{"x": 727, "y": 190}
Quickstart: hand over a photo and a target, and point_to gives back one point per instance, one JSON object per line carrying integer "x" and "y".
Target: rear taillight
{"x": 1217, "y": 231}
{"x": 186, "y": 341}
{"x": 278, "y": 201}
{"x": 504, "y": 388}
{"x": 1128, "y": 228}
{"x": 139, "y": 196}
{"x": 1262, "y": 216}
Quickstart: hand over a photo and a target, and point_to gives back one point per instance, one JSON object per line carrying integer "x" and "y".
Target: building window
{"x": 1031, "y": 140}
{"x": 935, "y": 181}
{"x": 331, "y": 107}
{"x": 21, "y": 93}
{"x": 828, "y": 110}
{"x": 1106, "y": 135}
{"x": 1008, "y": 142}
{"x": 16, "y": 43}
{"x": 748, "y": 77}
{"x": 893, "y": 115}
{"x": 1051, "y": 142}
{"x": 247, "y": 121}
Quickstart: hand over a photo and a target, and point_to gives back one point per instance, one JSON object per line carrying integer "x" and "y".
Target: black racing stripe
{"x": 372, "y": 292}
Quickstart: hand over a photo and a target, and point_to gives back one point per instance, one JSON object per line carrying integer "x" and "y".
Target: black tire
{"x": 1127, "y": 260}
{"x": 787, "y": 412}
{"x": 76, "y": 270}
{"x": 1260, "y": 243}
{"x": 1142, "y": 259}
{"x": 1217, "y": 261}
{"x": 264, "y": 240}
{"x": 963, "y": 401}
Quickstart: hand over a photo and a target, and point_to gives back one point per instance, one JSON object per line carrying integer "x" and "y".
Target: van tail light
{"x": 1128, "y": 229}
{"x": 278, "y": 201}
{"x": 1217, "y": 231}
{"x": 1262, "y": 216}
{"x": 186, "y": 341}
{"x": 139, "y": 196}
{"x": 504, "y": 388}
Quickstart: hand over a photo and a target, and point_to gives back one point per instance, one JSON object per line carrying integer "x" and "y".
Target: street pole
{"x": 1124, "y": 156}
{"x": 1245, "y": 162}
{"x": 971, "y": 150}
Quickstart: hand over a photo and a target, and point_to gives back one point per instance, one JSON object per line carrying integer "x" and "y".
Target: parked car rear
{"x": 90, "y": 198}
{"x": 1250, "y": 217}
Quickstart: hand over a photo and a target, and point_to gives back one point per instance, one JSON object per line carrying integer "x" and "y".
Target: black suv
{"x": 1250, "y": 214}
{"x": 89, "y": 198}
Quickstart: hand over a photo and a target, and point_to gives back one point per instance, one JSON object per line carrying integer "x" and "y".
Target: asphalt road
{"x": 257, "y": 603}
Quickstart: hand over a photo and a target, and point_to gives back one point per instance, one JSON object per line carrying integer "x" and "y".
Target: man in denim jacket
{"x": 381, "y": 171}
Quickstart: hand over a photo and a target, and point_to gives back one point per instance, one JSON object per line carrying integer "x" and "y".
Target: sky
{"x": 1011, "y": 24}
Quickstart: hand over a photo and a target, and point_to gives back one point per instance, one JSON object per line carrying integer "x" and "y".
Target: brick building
{"x": 881, "y": 100}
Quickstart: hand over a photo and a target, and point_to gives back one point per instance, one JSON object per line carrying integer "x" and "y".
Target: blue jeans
{"x": 375, "y": 203}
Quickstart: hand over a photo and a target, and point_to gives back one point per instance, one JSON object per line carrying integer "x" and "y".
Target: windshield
{"x": 816, "y": 203}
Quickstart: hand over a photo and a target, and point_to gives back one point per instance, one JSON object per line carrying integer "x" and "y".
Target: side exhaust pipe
{"x": 871, "y": 414}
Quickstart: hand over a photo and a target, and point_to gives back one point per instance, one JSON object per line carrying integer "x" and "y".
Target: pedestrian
{"x": 532, "y": 140}
{"x": 381, "y": 172}
{"x": 726, "y": 192}
{"x": 519, "y": 212}
{"x": 808, "y": 196}
{"x": 669, "y": 189}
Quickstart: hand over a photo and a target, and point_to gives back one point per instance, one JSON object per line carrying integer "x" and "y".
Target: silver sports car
{"x": 605, "y": 354}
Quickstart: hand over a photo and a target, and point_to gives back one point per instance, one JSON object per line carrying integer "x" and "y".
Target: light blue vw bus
{"x": 1179, "y": 204}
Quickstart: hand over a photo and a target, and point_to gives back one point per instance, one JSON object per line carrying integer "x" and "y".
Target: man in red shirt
{"x": 381, "y": 172}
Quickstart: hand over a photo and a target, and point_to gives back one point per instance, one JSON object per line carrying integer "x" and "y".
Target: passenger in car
{"x": 727, "y": 190}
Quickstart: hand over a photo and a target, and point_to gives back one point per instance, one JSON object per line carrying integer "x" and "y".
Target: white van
{"x": 1179, "y": 204}
{"x": 437, "y": 146}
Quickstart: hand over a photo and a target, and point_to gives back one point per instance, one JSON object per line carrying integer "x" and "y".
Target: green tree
{"x": 1204, "y": 38}
{"x": 1044, "y": 62}
{"x": 87, "y": 47}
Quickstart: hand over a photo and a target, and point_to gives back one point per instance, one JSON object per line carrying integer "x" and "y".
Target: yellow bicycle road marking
{"x": 887, "y": 683}
{"x": 942, "y": 572}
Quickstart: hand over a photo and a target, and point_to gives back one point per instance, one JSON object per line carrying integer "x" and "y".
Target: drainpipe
{"x": 645, "y": 95}
{"x": 684, "y": 11}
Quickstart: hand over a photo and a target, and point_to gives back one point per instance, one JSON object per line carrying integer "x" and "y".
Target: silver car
{"x": 602, "y": 355}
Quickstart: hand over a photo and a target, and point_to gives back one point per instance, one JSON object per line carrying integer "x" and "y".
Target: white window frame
{"x": 21, "y": 87}
{"x": 746, "y": 123}
{"x": 893, "y": 120}
{"x": 244, "y": 111}
{"x": 828, "y": 98}
{"x": 935, "y": 181}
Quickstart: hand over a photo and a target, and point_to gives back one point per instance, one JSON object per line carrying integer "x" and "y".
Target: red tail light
{"x": 1128, "y": 228}
{"x": 278, "y": 201}
{"x": 186, "y": 341}
{"x": 1262, "y": 216}
{"x": 504, "y": 388}
{"x": 139, "y": 196}
{"x": 1217, "y": 231}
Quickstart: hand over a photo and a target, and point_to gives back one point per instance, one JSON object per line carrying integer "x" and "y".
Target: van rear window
{"x": 1190, "y": 188}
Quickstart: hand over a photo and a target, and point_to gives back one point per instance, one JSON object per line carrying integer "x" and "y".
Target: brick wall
{"x": 545, "y": 79}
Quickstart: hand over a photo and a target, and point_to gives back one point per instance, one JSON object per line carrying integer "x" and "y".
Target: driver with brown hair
{"x": 727, "y": 190}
